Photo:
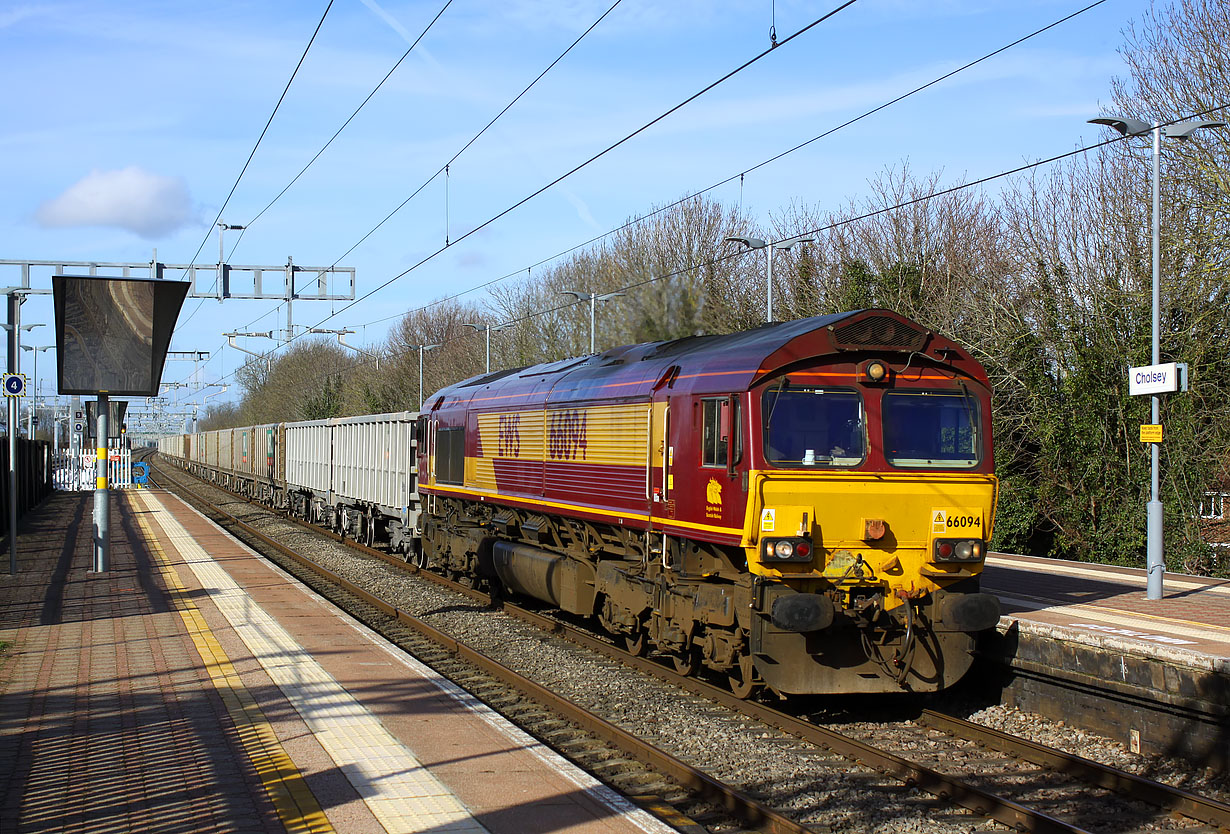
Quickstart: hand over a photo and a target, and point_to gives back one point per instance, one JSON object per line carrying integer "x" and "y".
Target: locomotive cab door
{"x": 660, "y": 452}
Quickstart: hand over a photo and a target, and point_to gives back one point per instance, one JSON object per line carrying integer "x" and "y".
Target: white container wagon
{"x": 309, "y": 461}
{"x": 374, "y": 490}
{"x": 356, "y": 475}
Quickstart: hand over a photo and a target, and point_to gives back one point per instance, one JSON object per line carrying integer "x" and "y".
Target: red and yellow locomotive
{"x": 803, "y": 506}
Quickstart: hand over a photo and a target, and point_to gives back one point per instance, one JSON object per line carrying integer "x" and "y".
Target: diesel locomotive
{"x": 803, "y": 507}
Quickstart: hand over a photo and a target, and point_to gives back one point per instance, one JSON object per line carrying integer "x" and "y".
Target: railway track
{"x": 1020, "y": 784}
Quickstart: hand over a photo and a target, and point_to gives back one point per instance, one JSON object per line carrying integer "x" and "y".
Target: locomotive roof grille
{"x": 882, "y": 332}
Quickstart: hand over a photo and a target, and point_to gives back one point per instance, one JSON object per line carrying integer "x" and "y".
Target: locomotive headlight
{"x": 964, "y": 550}
{"x": 783, "y": 549}
{"x": 876, "y": 371}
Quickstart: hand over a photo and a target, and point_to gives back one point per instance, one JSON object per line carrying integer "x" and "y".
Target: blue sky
{"x": 126, "y": 123}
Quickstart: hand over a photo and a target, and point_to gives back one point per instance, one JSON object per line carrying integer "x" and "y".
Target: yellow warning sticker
{"x": 768, "y": 520}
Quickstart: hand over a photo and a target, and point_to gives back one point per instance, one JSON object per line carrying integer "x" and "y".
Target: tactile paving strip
{"x": 402, "y": 794}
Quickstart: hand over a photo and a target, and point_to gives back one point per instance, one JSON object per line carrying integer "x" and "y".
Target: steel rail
{"x": 732, "y": 800}
{"x": 1197, "y": 807}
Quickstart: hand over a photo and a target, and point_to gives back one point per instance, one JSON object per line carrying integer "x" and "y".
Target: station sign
{"x": 14, "y": 385}
{"x": 1153, "y": 379}
{"x": 1151, "y": 433}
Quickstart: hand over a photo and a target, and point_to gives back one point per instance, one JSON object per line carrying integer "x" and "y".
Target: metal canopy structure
{"x": 221, "y": 280}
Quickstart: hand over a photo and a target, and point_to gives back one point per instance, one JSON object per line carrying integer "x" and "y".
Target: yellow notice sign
{"x": 1151, "y": 434}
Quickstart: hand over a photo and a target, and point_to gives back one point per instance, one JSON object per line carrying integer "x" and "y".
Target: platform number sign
{"x": 14, "y": 385}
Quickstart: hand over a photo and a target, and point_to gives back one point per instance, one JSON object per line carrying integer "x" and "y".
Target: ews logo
{"x": 510, "y": 435}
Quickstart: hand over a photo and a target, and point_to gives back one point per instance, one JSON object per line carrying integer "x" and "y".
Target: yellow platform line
{"x": 293, "y": 800}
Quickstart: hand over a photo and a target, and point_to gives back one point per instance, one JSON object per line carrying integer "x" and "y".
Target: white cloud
{"x": 149, "y": 205}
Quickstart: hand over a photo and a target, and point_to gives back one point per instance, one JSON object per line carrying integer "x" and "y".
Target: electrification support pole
{"x": 593, "y": 318}
{"x": 423, "y": 349}
{"x": 768, "y": 315}
{"x": 1155, "y": 558}
{"x": 14, "y": 329}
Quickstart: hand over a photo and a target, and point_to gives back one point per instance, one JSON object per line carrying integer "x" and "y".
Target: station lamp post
{"x": 593, "y": 298}
{"x": 487, "y": 328}
{"x": 423, "y": 349}
{"x": 1155, "y": 555}
{"x": 34, "y": 350}
{"x": 769, "y": 246}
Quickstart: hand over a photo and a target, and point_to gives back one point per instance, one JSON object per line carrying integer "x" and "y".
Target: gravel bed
{"x": 811, "y": 784}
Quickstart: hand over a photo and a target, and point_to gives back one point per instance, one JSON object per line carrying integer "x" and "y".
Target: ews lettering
{"x": 566, "y": 435}
{"x": 510, "y": 435}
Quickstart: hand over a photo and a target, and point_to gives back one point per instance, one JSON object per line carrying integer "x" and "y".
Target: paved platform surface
{"x": 1108, "y": 602}
{"x": 195, "y": 688}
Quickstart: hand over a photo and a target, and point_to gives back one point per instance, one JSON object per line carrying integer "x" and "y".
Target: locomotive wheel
{"x": 742, "y": 679}
{"x": 636, "y": 643}
{"x": 687, "y": 662}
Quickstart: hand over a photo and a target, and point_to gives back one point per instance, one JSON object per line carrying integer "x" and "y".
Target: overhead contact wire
{"x": 590, "y": 161}
{"x": 345, "y": 124}
{"x": 464, "y": 147}
{"x": 739, "y": 176}
{"x": 259, "y": 139}
{"x": 845, "y": 221}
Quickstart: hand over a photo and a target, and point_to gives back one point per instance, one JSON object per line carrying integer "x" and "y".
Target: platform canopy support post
{"x": 14, "y": 323}
{"x": 102, "y": 496}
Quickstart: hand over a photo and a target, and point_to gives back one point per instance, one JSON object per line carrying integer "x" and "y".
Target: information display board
{"x": 112, "y": 334}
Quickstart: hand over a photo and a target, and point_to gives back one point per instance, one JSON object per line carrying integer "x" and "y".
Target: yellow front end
{"x": 869, "y": 529}
{"x": 861, "y": 592}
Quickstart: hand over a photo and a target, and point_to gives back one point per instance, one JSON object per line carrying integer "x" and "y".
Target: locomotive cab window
{"x": 805, "y": 426}
{"x": 450, "y": 455}
{"x": 931, "y": 429}
{"x": 719, "y": 422}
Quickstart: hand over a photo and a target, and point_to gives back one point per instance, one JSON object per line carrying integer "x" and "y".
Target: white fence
{"x": 1213, "y": 505}
{"x": 77, "y": 471}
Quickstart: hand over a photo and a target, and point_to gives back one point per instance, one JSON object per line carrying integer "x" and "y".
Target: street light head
{"x": 426, "y": 348}
{"x": 579, "y": 296}
{"x": 749, "y": 242}
{"x": 1184, "y": 130}
{"x": 1124, "y": 124}
{"x": 789, "y": 242}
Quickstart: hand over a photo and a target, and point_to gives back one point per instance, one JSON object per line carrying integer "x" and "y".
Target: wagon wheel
{"x": 418, "y": 556}
{"x": 637, "y": 643}
{"x": 369, "y": 529}
{"x": 742, "y": 679}
{"x": 687, "y": 662}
